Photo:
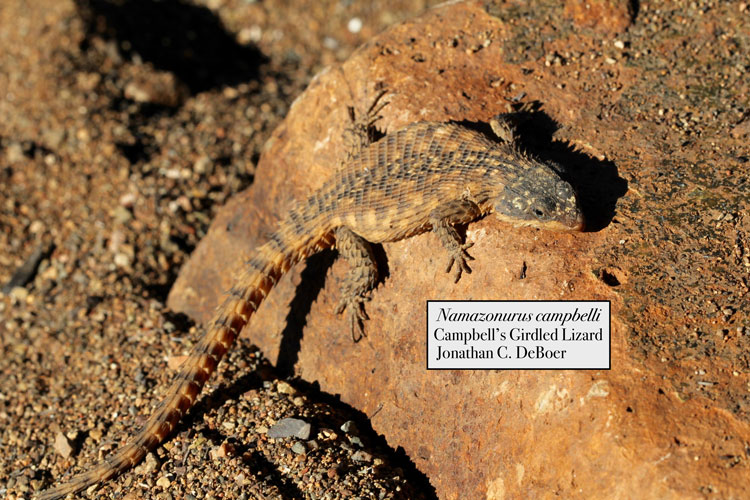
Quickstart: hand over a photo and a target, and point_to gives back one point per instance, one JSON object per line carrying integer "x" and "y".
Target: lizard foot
{"x": 459, "y": 257}
{"x": 354, "y": 305}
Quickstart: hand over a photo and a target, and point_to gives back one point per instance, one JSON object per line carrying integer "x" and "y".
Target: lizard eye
{"x": 539, "y": 214}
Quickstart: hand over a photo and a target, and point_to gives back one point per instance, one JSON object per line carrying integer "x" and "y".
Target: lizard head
{"x": 540, "y": 198}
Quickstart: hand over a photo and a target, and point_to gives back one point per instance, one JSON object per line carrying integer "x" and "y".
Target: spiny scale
{"x": 424, "y": 176}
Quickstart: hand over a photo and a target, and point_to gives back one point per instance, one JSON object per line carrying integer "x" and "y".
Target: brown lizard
{"x": 425, "y": 176}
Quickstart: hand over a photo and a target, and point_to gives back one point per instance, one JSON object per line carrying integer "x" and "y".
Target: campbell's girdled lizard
{"x": 425, "y": 176}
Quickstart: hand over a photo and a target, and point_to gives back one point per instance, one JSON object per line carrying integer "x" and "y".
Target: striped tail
{"x": 271, "y": 261}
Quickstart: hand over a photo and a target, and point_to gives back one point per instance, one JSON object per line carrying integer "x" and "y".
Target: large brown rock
{"x": 632, "y": 432}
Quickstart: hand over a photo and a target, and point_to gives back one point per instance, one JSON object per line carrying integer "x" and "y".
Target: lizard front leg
{"x": 504, "y": 128}
{"x": 362, "y": 278}
{"x": 361, "y": 132}
{"x": 442, "y": 219}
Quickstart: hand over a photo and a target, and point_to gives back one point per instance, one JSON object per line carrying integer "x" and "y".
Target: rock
{"x": 156, "y": 87}
{"x": 284, "y": 388}
{"x": 222, "y": 451}
{"x": 361, "y": 456}
{"x": 290, "y": 427}
{"x": 507, "y": 434}
{"x": 163, "y": 482}
{"x": 349, "y": 427}
{"x": 14, "y": 153}
{"x": 63, "y": 446}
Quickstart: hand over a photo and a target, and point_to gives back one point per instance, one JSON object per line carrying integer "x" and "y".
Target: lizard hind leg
{"x": 362, "y": 278}
{"x": 442, "y": 219}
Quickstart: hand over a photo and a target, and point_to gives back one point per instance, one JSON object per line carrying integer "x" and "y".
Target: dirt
{"x": 126, "y": 128}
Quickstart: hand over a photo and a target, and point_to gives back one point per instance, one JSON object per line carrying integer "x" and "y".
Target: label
{"x": 518, "y": 335}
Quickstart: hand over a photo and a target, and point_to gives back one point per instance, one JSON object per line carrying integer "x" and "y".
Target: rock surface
{"x": 670, "y": 420}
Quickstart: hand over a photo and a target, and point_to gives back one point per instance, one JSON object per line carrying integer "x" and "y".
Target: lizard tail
{"x": 270, "y": 262}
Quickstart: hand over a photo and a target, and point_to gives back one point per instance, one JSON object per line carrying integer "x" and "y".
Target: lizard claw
{"x": 459, "y": 257}
{"x": 355, "y": 310}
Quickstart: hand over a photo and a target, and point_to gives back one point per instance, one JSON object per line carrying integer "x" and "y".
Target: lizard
{"x": 426, "y": 176}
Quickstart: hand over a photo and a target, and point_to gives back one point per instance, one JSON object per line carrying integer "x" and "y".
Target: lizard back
{"x": 386, "y": 191}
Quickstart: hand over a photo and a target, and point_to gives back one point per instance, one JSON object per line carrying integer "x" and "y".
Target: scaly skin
{"x": 426, "y": 176}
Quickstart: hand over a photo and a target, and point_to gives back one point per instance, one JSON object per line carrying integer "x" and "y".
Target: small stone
{"x": 184, "y": 203}
{"x": 349, "y": 427}
{"x": 36, "y": 227}
{"x": 19, "y": 294}
{"x": 53, "y": 137}
{"x": 150, "y": 465}
{"x": 253, "y": 34}
{"x": 361, "y": 456}
{"x": 290, "y": 427}
{"x": 172, "y": 173}
{"x": 230, "y": 93}
{"x": 174, "y": 362}
{"x": 122, "y": 214}
{"x": 202, "y": 165}
{"x": 14, "y": 153}
{"x": 63, "y": 446}
{"x": 156, "y": 88}
{"x": 222, "y": 451}
{"x": 330, "y": 43}
{"x": 164, "y": 482}
{"x": 354, "y": 25}
{"x": 299, "y": 448}
{"x": 128, "y": 200}
{"x": 122, "y": 260}
{"x": 284, "y": 388}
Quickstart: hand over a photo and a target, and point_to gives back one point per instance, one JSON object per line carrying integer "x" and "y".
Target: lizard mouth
{"x": 569, "y": 225}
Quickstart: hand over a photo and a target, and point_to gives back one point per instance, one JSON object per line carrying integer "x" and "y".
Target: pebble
{"x": 53, "y": 137}
{"x": 290, "y": 427}
{"x": 19, "y": 294}
{"x": 361, "y": 456}
{"x": 202, "y": 165}
{"x": 128, "y": 200}
{"x": 151, "y": 464}
{"x": 63, "y": 446}
{"x": 164, "y": 482}
{"x": 299, "y": 448}
{"x": 122, "y": 214}
{"x": 14, "y": 153}
{"x": 284, "y": 388}
{"x": 222, "y": 451}
{"x": 349, "y": 427}
{"x": 174, "y": 362}
{"x": 354, "y": 25}
{"x": 122, "y": 260}
{"x": 252, "y": 34}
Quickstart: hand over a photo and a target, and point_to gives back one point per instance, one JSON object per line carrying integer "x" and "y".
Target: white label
{"x": 518, "y": 335}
